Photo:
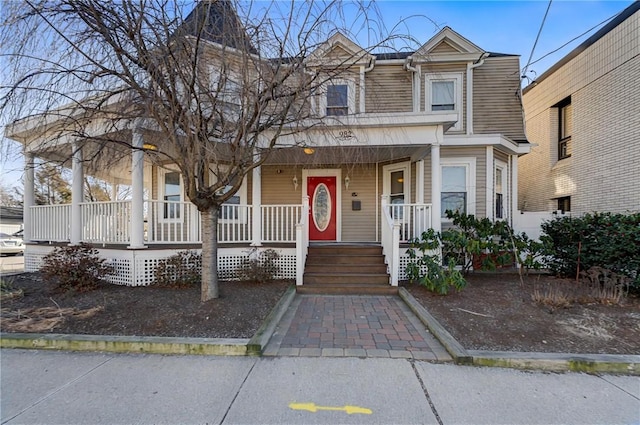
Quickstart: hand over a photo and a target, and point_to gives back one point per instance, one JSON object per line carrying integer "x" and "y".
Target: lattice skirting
{"x": 137, "y": 267}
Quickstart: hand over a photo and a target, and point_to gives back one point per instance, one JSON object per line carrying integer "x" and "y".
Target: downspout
{"x": 416, "y": 82}
{"x": 470, "y": 68}
{"x": 363, "y": 71}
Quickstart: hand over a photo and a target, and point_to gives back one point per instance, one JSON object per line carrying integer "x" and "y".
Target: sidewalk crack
{"x": 237, "y": 393}
{"x": 426, "y": 392}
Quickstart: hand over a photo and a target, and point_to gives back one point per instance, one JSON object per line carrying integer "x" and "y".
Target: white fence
{"x": 529, "y": 222}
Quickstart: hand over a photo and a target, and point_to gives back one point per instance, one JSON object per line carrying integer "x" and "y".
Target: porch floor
{"x": 353, "y": 326}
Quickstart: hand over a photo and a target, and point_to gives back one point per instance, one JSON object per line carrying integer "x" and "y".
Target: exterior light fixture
{"x": 309, "y": 151}
{"x": 295, "y": 182}
{"x": 347, "y": 182}
{"x": 150, "y": 147}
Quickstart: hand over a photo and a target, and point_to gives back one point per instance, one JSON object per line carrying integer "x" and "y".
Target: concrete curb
{"x": 627, "y": 364}
{"x": 455, "y": 349}
{"x": 126, "y": 344}
{"x": 260, "y": 340}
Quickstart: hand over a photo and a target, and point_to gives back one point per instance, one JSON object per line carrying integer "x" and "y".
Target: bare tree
{"x": 216, "y": 90}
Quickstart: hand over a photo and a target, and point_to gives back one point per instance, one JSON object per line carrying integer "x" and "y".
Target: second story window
{"x": 443, "y": 96}
{"x": 565, "y": 128}
{"x": 337, "y": 99}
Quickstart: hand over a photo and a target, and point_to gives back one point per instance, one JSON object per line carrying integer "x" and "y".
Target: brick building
{"x": 583, "y": 120}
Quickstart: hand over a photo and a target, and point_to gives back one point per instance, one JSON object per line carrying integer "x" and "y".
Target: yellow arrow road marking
{"x": 312, "y": 407}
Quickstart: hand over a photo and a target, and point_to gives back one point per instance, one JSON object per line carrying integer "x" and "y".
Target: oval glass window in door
{"x": 321, "y": 204}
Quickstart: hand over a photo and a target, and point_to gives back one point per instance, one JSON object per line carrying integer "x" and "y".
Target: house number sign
{"x": 345, "y": 135}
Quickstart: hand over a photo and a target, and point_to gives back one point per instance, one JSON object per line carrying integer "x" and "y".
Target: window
{"x": 234, "y": 208}
{"x": 565, "y": 128}
{"x": 337, "y": 99}
{"x": 454, "y": 189}
{"x": 443, "y": 94}
{"x": 564, "y": 204}
{"x": 500, "y": 191}
{"x": 457, "y": 191}
{"x": 171, "y": 192}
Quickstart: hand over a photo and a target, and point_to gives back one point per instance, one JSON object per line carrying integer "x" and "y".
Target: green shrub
{"x": 76, "y": 268}
{"x": 426, "y": 269}
{"x": 180, "y": 270}
{"x": 260, "y": 267}
{"x": 477, "y": 243}
{"x": 606, "y": 240}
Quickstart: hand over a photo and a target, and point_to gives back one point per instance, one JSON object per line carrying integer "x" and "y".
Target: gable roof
{"x": 217, "y": 21}
{"x": 447, "y": 45}
{"x": 620, "y": 18}
{"x": 353, "y": 54}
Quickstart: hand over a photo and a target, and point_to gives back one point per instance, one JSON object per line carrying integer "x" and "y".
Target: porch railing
{"x": 390, "y": 232}
{"x": 412, "y": 218}
{"x": 279, "y": 222}
{"x": 50, "y": 223}
{"x": 165, "y": 223}
{"x": 106, "y": 222}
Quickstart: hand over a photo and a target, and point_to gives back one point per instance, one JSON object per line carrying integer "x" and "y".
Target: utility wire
{"x": 574, "y": 39}
{"x": 524, "y": 72}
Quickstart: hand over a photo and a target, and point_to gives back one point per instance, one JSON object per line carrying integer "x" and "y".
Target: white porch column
{"x": 77, "y": 194}
{"x": 490, "y": 213}
{"x": 137, "y": 191}
{"x": 29, "y": 194}
{"x": 436, "y": 185}
{"x": 256, "y": 202}
{"x": 420, "y": 182}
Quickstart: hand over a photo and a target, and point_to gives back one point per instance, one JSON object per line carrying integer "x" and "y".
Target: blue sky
{"x": 496, "y": 26}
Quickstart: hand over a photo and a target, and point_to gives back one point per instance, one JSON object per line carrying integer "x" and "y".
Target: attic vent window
{"x": 337, "y": 99}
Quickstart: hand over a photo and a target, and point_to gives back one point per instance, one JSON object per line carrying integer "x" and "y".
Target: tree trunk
{"x": 209, "y": 285}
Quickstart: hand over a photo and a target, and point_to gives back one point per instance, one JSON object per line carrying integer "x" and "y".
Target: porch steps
{"x": 346, "y": 269}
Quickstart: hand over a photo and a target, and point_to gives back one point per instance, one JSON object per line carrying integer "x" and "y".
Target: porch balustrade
{"x": 412, "y": 218}
{"x": 165, "y": 223}
{"x": 51, "y": 223}
{"x": 279, "y": 222}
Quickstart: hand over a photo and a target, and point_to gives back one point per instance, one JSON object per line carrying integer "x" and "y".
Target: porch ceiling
{"x": 346, "y": 155}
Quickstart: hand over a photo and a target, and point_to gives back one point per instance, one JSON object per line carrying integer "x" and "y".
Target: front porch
{"x": 243, "y": 230}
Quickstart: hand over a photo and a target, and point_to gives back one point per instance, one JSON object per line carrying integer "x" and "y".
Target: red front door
{"x": 322, "y": 208}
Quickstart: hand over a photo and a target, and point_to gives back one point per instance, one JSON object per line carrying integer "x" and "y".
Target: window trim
{"x": 351, "y": 97}
{"x": 502, "y": 166}
{"x": 162, "y": 172}
{"x": 470, "y": 164}
{"x": 457, "y": 79}
{"x": 564, "y": 141}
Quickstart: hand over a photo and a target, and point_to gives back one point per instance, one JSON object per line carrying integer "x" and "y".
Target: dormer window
{"x": 337, "y": 99}
{"x": 443, "y": 96}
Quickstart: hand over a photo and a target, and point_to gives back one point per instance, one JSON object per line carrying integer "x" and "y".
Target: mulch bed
{"x": 494, "y": 312}
{"x": 142, "y": 311}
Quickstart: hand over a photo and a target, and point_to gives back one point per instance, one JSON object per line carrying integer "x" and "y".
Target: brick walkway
{"x": 353, "y": 326}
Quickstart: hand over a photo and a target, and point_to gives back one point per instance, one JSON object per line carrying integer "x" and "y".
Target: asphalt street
{"x": 97, "y": 388}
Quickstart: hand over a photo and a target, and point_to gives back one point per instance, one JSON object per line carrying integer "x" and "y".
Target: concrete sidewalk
{"x": 93, "y": 388}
